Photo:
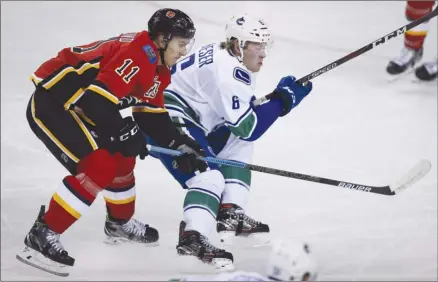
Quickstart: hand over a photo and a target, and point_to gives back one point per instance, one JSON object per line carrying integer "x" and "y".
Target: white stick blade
{"x": 415, "y": 174}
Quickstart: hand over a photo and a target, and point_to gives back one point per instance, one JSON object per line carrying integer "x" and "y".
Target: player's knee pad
{"x": 99, "y": 166}
{"x": 211, "y": 180}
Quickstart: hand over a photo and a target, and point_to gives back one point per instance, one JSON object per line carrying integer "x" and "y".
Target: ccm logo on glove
{"x": 130, "y": 133}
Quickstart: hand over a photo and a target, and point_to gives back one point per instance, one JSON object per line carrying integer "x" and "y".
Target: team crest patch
{"x": 240, "y": 21}
{"x": 170, "y": 14}
{"x": 150, "y": 53}
{"x": 242, "y": 75}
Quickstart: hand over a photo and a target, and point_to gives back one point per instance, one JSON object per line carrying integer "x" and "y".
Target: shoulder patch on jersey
{"x": 150, "y": 53}
{"x": 242, "y": 75}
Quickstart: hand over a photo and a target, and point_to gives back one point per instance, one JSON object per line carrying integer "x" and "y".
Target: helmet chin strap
{"x": 162, "y": 50}
{"x": 240, "y": 48}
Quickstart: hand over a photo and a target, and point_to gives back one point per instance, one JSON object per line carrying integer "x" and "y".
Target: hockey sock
{"x": 237, "y": 183}
{"x": 414, "y": 38}
{"x": 120, "y": 195}
{"x": 76, "y": 193}
{"x": 201, "y": 203}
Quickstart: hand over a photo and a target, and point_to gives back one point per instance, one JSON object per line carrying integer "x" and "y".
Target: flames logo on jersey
{"x": 170, "y": 14}
{"x": 153, "y": 91}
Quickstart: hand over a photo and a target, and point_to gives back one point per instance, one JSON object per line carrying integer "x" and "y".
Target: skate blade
{"x": 120, "y": 241}
{"x": 254, "y": 240}
{"x": 192, "y": 265}
{"x": 222, "y": 264}
{"x": 35, "y": 259}
{"x": 395, "y": 77}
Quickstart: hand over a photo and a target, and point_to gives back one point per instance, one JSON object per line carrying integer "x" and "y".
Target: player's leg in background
{"x": 204, "y": 189}
{"x": 232, "y": 216}
{"x": 66, "y": 136}
{"x": 412, "y": 51}
{"x": 201, "y": 203}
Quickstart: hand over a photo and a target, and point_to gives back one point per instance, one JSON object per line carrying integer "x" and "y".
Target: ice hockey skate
{"x": 192, "y": 243}
{"x": 407, "y": 58}
{"x": 233, "y": 224}
{"x": 44, "y": 251}
{"x": 232, "y": 219}
{"x": 133, "y": 231}
{"x": 427, "y": 71}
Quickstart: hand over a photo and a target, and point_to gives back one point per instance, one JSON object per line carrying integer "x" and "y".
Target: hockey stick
{"x": 354, "y": 54}
{"x": 415, "y": 174}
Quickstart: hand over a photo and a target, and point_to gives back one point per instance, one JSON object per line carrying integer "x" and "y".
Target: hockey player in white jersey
{"x": 288, "y": 261}
{"x": 210, "y": 100}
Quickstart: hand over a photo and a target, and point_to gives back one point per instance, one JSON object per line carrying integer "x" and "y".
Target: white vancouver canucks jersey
{"x": 211, "y": 87}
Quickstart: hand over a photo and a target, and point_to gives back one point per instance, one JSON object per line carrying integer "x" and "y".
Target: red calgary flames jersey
{"x": 114, "y": 68}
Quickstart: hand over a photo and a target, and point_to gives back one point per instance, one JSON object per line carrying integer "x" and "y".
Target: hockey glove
{"x": 291, "y": 93}
{"x": 188, "y": 162}
{"x": 130, "y": 142}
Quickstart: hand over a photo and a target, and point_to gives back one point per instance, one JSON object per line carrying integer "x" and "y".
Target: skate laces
{"x": 250, "y": 220}
{"x": 204, "y": 241}
{"x": 136, "y": 227}
{"x": 241, "y": 212}
{"x": 405, "y": 57}
{"x": 53, "y": 239}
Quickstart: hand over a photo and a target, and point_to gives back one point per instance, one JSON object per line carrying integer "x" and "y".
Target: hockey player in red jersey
{"x": 412, "y": 51}
{"x": 74, "y": 112}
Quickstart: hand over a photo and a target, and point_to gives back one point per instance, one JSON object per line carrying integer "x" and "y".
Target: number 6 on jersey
{"x": 121, "y": 70}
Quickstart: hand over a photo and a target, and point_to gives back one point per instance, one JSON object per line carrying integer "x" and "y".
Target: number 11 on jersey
{"x": 121, "y": 70}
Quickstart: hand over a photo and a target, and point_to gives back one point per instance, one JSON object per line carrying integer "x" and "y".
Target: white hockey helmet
{"x": 291, "y": 261}
{"x": 246, "y": 28}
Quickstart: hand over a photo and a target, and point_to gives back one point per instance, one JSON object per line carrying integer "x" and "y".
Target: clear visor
{"x": 185, "y": 45}
{"x": 259, "y": 48}
{"x": 189, "y": 45}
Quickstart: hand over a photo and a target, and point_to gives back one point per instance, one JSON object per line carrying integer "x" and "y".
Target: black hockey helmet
{"x": 171, "y": 22}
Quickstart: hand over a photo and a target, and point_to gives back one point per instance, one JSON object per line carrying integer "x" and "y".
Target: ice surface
{"x": 355, "y": 126}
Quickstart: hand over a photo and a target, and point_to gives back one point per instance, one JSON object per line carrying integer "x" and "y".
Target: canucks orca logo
{"x": 242, "y": 75}
{"x": 240, "y": 21}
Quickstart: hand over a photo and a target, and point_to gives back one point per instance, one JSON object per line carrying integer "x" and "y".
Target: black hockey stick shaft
{"x": 384, "y": 190}
{"x": 356, "y": 53}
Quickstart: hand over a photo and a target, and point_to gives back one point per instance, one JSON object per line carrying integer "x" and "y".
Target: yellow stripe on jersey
{"x": 36, "y": 80}
{"x": 67, "y": 70}
{"x": 119, "y": 202}
{"x": 74, "y": 98}
{"x": 51, "y": 136}
{"x": 66, "y": 206}
{"x": 146, "y": 109}
{"x": 417, "y": 32}
{"x": 122, "y": 197}
{"x": 85, "y": 130}
{"x": 84, "y": 117}
{"x": 104, "y": 93}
